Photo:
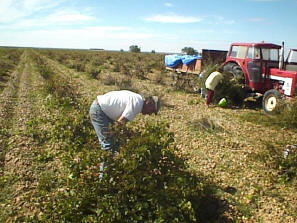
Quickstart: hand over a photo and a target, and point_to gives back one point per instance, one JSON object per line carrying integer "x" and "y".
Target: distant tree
{"x": 189, "y": 51}
{"x": 134, "y": 49}
{"x": 153, "y": 51}
{"x": 121, "y": 50}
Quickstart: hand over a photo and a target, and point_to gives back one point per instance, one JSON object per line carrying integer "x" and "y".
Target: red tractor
{"x": 261, "y": 67}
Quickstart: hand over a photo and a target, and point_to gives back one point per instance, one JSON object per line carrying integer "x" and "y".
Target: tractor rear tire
{"x": 271, "y": 101}
{"x": 238, "y": 74}
{"x": 228, "y": 67}
{"x": 236, "y": 71}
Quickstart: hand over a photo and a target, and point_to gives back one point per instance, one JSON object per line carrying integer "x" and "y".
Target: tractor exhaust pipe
{"x": 282, "y": 55}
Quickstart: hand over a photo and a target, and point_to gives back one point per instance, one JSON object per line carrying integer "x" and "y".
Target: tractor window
{"x": 257, "y": 53}
{"x": 270, "y": 54}
{"x": 254, "y": 53}
{"x": 234, "y": 51}
{"x": 241, "y": 52}
{"x": 274, "y": 54}
{"x": 250, "y": 52}
{"x": 293, "y": 56}
{"x": 238, "y": 52}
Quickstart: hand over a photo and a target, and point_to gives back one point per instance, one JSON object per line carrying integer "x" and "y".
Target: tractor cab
{"x": 253, "y": 61}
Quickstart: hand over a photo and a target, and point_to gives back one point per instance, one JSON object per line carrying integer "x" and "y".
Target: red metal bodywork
{"x": 286, "y": 74}
{"x": 266, "y": 68}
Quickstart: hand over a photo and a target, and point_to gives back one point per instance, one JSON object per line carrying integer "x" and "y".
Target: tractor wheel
{"x": 238, "y": 74}
{"x": 271, "y": 101}
{"x": 236, "y": 71}
{"x": 228, "y": 67}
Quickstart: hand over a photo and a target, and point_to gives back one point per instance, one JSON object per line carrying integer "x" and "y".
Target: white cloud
{"x": 36, "y": 5}
{"x": 222, "y": 20}
{"x": 168, "y": 4}
{"x": 68, "y": 16}
{"x": 173, "y": 19}
{"x": 188, "y": 19}
{"x": 16, "y": 14}
{"x": 52, "y": 20}
{"x": 12, "y": 10}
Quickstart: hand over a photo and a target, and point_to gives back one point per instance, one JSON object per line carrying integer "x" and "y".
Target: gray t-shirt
{"x": 117, "y": 103}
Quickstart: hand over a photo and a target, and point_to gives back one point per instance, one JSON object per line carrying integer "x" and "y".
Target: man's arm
{"x": 122, "y": 120}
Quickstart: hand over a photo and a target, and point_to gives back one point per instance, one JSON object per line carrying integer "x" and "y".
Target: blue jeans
{"x": 101, "y": 123}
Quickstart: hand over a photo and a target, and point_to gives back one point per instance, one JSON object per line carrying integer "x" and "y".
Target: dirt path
{"x": 18, "y": 168}
{"x": 8, "y": 101}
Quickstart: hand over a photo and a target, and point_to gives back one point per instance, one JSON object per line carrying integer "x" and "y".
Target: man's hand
{"x": 122, "y": 120}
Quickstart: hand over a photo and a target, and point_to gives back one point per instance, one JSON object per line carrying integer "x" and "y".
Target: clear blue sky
{"x": 160, "y": 25}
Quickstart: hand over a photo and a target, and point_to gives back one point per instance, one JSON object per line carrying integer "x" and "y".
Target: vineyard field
{"x": 189, "y": 163}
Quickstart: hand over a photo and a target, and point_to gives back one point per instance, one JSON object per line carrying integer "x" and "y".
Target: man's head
{"x": 151, "y": 105}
